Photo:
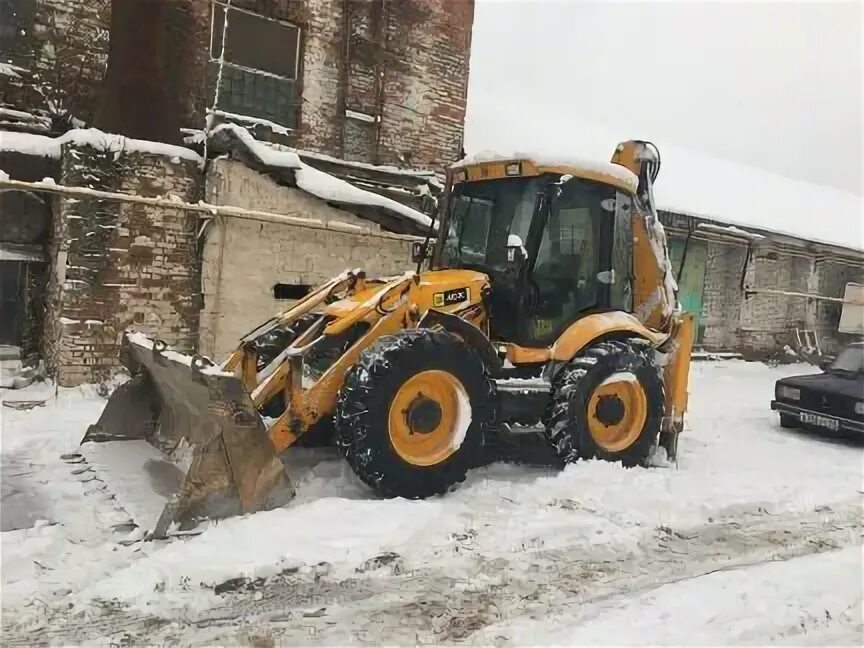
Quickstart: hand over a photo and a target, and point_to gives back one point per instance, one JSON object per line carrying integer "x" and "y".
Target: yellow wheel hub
{"x": 617, "y": 411}
{"x": 429, "y": 416}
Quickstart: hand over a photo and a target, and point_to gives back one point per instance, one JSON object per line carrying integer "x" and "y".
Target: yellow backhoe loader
{"x": 547, "y": 298}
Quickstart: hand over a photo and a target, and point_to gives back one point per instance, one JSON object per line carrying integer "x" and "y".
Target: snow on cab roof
{"x": 614, "y": 171}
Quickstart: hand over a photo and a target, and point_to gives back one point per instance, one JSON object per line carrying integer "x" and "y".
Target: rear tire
{"x": 378, "y": 425}
{"x": 789, "y": 421}
{"x": 591, "y": 417}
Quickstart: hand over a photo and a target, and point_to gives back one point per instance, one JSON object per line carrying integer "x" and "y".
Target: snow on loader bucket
{"x": 182, "y": 441}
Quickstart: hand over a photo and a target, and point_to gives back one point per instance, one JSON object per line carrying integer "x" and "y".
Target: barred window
{"x": 261, "y": 65}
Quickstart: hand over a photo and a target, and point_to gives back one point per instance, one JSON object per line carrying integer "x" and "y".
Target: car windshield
{"x": 851, "y": 360}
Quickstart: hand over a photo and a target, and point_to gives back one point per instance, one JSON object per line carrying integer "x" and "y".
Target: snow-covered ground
{"x": 754, "y": 537}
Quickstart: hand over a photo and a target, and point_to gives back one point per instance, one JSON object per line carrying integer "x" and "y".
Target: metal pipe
{"x": 206, "y": 209}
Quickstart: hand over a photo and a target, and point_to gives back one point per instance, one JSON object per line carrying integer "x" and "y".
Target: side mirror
{"x": 825, "y": 363}
{"x": 420, "y": 251}
{"x": 516, "y": 252}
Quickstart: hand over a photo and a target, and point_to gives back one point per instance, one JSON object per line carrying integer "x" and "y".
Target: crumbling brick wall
{"x": 381, "y": 82}
{"x": 61, "y": 48}
{"x": 408, "y": 71}
{"x": 117, "y": 265}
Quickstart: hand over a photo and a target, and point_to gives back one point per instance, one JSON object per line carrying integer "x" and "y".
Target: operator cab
{"x": 556, "y": 243}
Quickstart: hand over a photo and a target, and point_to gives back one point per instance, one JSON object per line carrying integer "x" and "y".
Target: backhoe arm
{"x": 655, "y": 289}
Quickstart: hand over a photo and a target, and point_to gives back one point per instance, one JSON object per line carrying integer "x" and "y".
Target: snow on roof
{"x": 422, "y": 173}
{"x": 247, "y": 119}
{"x": 20, "y": 252}
{"x": 689, "y": 183}
{"x": 736, "y": 194}
{"x": 616, "y": 171}
{"x": 44, "y": 146}
{"x": 318, "y": 183}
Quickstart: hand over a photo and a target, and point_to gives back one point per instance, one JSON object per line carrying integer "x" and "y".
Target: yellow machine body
{"x": 227, "y": 416}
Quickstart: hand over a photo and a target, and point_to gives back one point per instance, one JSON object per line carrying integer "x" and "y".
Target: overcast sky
{"x": 776, "y": 85}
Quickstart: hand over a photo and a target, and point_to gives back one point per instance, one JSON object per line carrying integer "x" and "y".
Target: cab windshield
{"x": 548, "y": 264}
{"x": 483, "y": 215}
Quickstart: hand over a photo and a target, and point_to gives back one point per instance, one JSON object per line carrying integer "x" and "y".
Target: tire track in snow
{"x": 455, "y": 601}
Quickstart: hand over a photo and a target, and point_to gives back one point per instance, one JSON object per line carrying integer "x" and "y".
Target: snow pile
{"x": 318, "y": 183}
{"x": 332, "y": 530}
{"x": 44, "y": 146}
{"x": 615, "y": 171}
{"x": 140, "y": 339}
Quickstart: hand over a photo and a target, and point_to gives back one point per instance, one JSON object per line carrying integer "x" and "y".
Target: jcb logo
{"x": 450, "y": 297}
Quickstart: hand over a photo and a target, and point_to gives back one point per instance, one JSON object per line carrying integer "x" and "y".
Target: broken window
{"x": 261, "y": 65}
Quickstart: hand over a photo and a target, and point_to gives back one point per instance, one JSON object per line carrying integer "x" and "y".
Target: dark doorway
{"x": 12, "y": 277}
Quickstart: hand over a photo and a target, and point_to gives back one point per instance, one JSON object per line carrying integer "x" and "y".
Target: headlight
{"x": 859, "y": 408}
{"x": 789, "y": 393}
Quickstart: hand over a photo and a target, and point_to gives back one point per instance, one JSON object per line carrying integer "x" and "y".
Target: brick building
{"x": 377, "y": 81}
{"x": 751, "y": 289}
{"x": 369, "y": 91}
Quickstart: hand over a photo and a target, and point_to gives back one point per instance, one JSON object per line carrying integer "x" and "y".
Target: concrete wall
{"x": 116, "y": 265}
{"x": 243, "y": 259}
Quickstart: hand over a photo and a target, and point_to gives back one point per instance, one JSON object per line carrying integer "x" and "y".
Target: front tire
{"x": 412, "y": 413}
{"x": 607, "y": 404}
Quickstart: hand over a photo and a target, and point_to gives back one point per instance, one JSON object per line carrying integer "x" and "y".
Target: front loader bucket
{"x": 182, "y": 441}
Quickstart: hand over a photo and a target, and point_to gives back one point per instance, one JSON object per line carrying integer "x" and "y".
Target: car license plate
{"x": 820, "y": 421}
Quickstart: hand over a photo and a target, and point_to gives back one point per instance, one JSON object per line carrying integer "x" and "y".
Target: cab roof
{"x": 488, "y": 166}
